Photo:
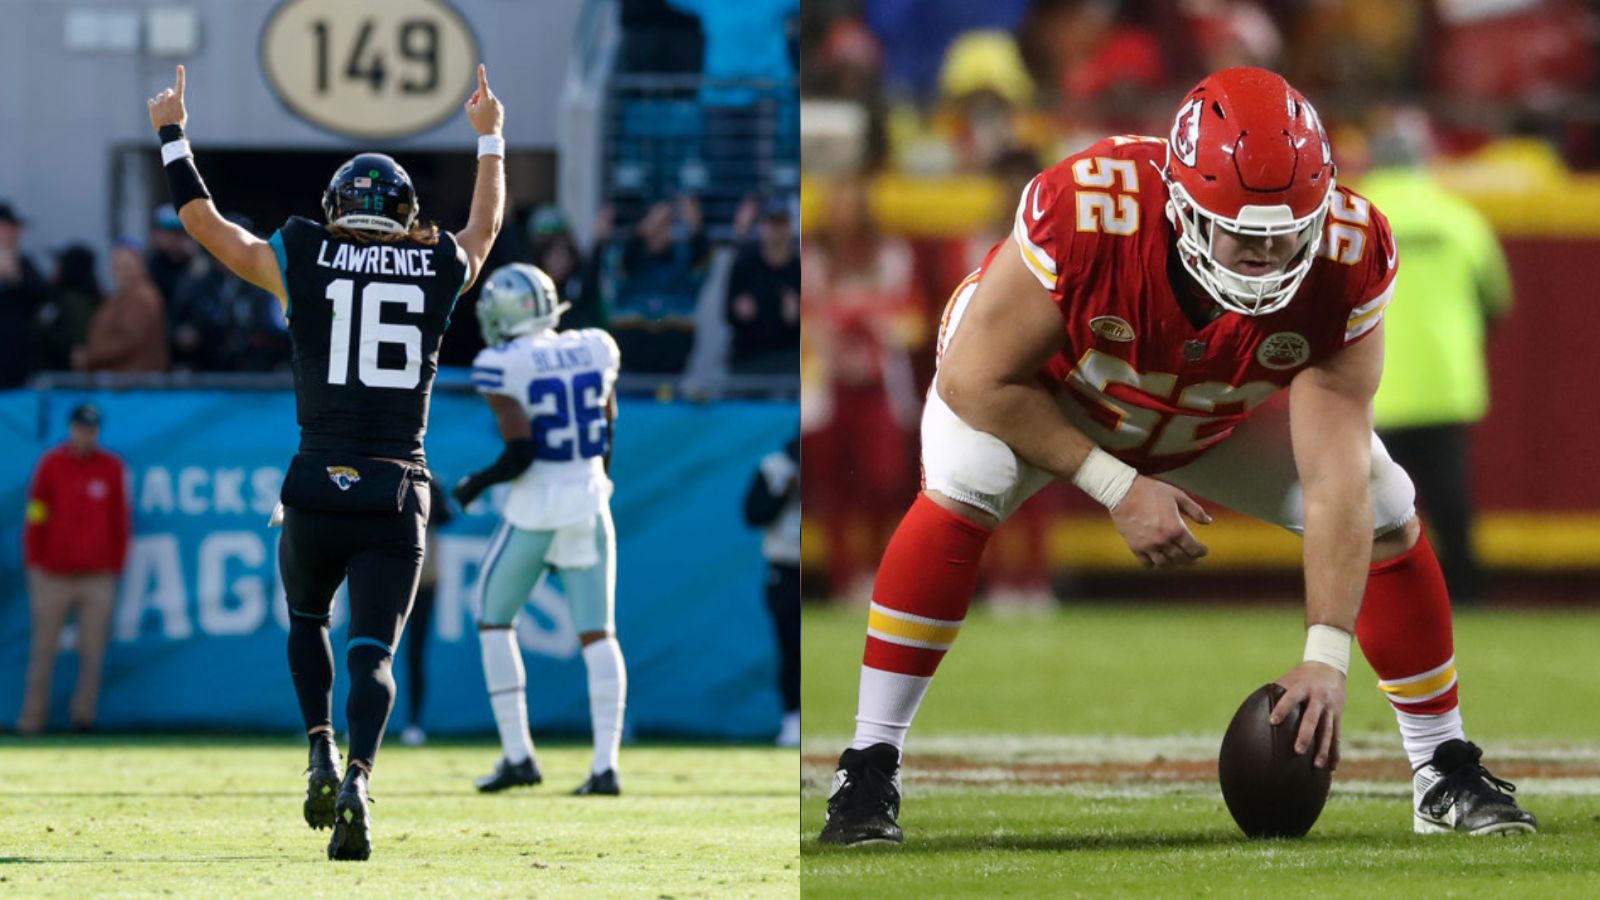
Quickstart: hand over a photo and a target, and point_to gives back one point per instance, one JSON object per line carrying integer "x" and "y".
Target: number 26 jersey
{"x": 366, "y": 321}
{"x": 564, "y": 382}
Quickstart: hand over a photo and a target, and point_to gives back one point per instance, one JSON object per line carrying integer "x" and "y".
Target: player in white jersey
{"x": 554, "y": 397}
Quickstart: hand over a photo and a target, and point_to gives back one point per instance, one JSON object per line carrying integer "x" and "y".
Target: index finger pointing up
{"x": 483, "y": 79}
{"x": 180, "y": 81}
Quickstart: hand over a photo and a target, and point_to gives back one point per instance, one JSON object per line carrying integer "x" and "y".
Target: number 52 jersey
{"x": 366, "y": 320}
{"x": 1136, "y": 375}
{"x": 564, "y": 382}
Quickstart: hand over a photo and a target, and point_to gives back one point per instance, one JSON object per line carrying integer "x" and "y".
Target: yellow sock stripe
{"x": 1426, "y": 688}
{"x": 903, "y": 628}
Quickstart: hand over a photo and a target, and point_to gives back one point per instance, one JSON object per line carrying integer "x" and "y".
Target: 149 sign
{"x": 369, "y": 68}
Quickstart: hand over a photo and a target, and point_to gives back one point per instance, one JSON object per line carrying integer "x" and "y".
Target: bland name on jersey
{"x": 378, "y": 259}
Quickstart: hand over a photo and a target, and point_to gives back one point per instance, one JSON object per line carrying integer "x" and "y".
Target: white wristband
{"x": 491, "y": 145}
{"x": 1329, "y": 645}
{"x": 172, "y": 151}
{"x": 1105, "y": 478}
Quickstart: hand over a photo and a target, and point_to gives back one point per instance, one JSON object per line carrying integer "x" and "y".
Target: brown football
{"x": 1270, "y": 790}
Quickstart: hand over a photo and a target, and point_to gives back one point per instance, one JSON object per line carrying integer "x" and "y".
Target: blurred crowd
{"x": 946, "y": 85}
{"x": 171, "y": 307}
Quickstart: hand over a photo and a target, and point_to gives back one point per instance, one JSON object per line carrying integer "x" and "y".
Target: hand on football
{"x": 166, "y": 108}
{"x": 1321, "y": 688}
{"x": 1150, "y": 519}
{"x": 483, "y": 107}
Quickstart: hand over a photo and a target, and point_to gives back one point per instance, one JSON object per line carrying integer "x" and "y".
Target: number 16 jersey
{"x": 564, "y": 382}
{"x": 366, "y": 321}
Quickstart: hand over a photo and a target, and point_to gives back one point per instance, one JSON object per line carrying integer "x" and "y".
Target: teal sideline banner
{"x": 198, "y": 636}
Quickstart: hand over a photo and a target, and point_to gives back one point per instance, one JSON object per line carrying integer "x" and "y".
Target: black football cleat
{"x": 352, "y": 832}
{"x": 1455, "y": 793}
{"x": 606, "y": 784}
{"x": 322, "y": 782}
{"x": 508, "y": 774}
{"x": 865, "y": 802}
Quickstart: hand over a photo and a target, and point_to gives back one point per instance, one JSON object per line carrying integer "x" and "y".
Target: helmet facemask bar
{"x": 1250, "y": 295}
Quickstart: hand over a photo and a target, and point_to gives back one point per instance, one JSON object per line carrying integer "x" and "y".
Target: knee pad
{"x": 966, "y": 464}
{"x": 1394, "y": 497}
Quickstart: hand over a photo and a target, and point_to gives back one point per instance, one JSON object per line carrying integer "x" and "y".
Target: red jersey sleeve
{"x": 1068, "y": 208}
{"x": 1358, "y": 236}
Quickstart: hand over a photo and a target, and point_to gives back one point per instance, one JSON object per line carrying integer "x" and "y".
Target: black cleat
{"x": 322, "y": 782}
{"x": 606, "y": 784}
{"x": 1454, "y": 792}
{"x": 352, "y": 832}
{"x": 865, "y": 802}
{"x": 508, "y": 774}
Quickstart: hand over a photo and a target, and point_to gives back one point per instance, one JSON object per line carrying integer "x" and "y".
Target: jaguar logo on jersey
{"x": 1283, "y": 350}
{"x": 1186, "y": 131}
{"x": 1112, "y": 328}
{"x": 343, "y": 476}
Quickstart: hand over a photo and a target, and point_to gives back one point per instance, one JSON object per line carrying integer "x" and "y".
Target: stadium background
{"x": 927, "y": 117}
{"x": 602, "y": 121}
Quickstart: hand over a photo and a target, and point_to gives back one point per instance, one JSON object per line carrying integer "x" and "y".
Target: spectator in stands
{"x": 22, "y": 290}
{"x": 988, "y": 100}
{"x": 772, "y": 504}
{"x": 577, "y": 280}
{"x": 1452, "y": 286}
{"x": 748, "y": 97}
{"x": 218, "y": 322}
{"x": 171, "y": 252}
{"x": 74, "y": 543}
{"x": 64, "y": 319}
{"x": 846, "y": 66}
{"x": 862, "y": 318}
{"x": 917, "y": 33}
{"x": 128, "y": 332}
{"x": 662, "y": 265}
{"x": 763, "y": 299}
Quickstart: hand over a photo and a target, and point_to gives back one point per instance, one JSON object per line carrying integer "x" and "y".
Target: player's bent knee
{"x": 964, "y": 464}
{"x": 965, "y": 510}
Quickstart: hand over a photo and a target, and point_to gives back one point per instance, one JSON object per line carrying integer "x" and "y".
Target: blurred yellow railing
{"x": 1088, "y": 542}
{"x": 1520, "y": 184}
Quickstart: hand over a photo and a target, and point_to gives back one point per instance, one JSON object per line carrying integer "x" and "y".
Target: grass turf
{"x": 219, "y": 817}
{"x": 1147, "y": 672}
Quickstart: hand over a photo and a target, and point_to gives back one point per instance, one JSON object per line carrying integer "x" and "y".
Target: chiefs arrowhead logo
{"x": 1186, "y": 131}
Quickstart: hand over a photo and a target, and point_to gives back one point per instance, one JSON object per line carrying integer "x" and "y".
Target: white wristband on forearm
{"x": 491, "y": 145}
{"x": 1105, "y": 478}
{"x": 1328, "y": 645}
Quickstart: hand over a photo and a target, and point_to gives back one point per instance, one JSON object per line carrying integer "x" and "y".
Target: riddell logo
{"x": 1112, "y": 328}
{"x": 1186, "y": 132}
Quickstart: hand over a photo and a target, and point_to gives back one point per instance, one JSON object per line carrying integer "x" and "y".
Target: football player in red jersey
{"x": 1152, "y": 296}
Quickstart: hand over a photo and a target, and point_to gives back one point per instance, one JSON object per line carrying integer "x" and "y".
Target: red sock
{"x": 1405, "y": 631}
{"x": 924, "y": 586}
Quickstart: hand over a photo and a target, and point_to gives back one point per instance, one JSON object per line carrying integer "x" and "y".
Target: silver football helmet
{"x": 518, "y": 299}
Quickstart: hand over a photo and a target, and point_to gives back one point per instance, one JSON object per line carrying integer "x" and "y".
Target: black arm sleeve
{"x": 514, "y": 460}
{"x": 761, "y": 505}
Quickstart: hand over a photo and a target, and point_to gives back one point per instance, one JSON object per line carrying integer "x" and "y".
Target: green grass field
{"x": 221, "y": 817}
{"x": 1074, "y": 755}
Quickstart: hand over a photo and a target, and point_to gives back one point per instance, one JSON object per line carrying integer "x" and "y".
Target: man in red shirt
{"x": 75, "y": 543}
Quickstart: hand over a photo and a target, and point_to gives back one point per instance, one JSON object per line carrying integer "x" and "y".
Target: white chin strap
{"x": 1250, "y": 295}
{"x": 366, "y": 222}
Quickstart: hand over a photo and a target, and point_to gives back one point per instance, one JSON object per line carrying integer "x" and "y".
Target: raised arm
{"x": 245, "y": 255}
{"x": 1330, "y": 421}
{"x": 988, "y": 377}
{"x": 489, "y": 192}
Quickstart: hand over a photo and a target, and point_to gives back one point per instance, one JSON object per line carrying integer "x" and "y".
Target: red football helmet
{"x": 1247, "y": 154}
